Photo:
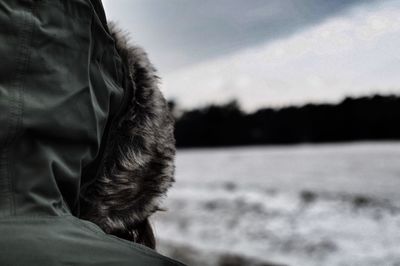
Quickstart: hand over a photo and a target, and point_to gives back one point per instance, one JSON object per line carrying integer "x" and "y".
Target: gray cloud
{"x": 177, "y": 33}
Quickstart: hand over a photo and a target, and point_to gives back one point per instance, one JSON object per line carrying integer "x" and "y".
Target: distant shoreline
{"x": 373, "y": 118}
{"x": 291, "y": 145}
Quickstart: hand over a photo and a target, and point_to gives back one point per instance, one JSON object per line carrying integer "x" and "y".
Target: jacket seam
{"x": 33, "y": 217}
{"x": 17, "y": 105}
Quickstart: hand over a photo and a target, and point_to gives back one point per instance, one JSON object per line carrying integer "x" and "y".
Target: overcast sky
{"x": 266, "y": 52}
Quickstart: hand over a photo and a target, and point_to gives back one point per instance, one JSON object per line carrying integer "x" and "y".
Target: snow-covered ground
{"x": 291, "y": 205}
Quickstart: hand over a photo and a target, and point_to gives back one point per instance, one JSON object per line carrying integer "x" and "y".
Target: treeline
{"x": 366, "y": 118}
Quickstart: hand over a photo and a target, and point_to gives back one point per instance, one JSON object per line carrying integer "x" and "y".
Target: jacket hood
{"x": 82, "y": 119}
{"x": 138, "y": 166}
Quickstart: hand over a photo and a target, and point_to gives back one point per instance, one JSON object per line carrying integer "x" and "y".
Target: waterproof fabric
{"x": 61, "y": 85}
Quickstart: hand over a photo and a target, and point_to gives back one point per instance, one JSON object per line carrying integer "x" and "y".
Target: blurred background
{"x": 287, "y": 126}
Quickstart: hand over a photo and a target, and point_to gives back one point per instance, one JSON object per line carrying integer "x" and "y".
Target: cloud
{"x": 352, "y": 54}
{"x": 178, "y": 33}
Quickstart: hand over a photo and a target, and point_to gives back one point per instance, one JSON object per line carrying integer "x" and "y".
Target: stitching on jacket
{"x": 16, "y": 105}
{"x": 6, "y": 186}
{"x": 25, "y": 217}
{"x": 25, "y": 55}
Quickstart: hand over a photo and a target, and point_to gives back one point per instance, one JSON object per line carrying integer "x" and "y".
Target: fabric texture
{"x": 75, "y": 115}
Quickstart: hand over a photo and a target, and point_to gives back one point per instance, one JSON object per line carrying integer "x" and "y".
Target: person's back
{"x": 62, "y": 85}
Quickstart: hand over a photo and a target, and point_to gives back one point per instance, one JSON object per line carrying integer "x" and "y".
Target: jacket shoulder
{"x": 67, "y": 240}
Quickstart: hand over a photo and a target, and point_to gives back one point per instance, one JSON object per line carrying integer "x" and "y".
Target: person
{"x": 86, "y": 139}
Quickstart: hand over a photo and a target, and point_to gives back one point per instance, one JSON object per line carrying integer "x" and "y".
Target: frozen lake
{"x": 335, "y": 204}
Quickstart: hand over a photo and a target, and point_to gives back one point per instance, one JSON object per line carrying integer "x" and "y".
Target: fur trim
{"x": 139, "y": 160}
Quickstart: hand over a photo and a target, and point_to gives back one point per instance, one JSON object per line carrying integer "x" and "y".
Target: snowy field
{"x": 336, "y": 204}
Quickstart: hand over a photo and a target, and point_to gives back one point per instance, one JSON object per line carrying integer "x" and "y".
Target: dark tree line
{"x": 366, "y": 118}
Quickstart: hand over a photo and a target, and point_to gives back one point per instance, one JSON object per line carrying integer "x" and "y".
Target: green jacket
{"x": 61, "y": 84}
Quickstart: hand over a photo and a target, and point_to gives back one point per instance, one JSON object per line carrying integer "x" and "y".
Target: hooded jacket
{"x": 86, "y": 138}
